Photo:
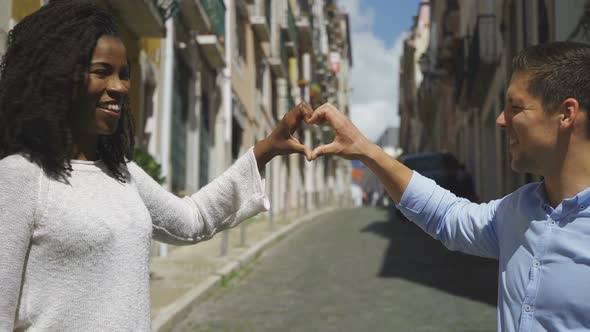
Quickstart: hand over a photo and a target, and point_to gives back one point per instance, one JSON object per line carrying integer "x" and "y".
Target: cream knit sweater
{"x": 75, "y": 256}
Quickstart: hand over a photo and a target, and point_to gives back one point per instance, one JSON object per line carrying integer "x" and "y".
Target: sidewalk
{"x": 181, "y": 279}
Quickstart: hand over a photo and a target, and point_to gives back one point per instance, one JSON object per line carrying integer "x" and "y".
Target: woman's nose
{"x": 117, "y": 85}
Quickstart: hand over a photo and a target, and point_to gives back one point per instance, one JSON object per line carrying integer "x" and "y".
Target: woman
{"x": 76, "y": 216}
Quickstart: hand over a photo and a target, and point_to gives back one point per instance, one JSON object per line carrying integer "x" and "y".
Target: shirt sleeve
{"x": 458, "y": 223}
{"x": 236, "y": 195}
{"x": 19, "y": 189}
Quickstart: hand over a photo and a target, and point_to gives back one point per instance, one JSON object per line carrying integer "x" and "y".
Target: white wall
{"x": 5, "y": 14}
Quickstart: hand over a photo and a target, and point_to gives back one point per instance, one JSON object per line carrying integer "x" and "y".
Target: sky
{"x": 378, "y": 28}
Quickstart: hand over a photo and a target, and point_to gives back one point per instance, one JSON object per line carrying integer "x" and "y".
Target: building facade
{"x": 465, "y": 72}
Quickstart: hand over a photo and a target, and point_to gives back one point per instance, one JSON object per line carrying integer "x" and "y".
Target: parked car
{"x": 445, "y": 170}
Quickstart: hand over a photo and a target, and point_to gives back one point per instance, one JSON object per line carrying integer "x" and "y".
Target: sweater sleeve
{"x": 458, "y": 223}
{"x": 236, "y": 195}
{"x": 19, "y": 191}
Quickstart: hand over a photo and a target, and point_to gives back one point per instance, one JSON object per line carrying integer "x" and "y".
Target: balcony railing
{"x": 291, "y": 25}
{"x": 260, "y": 19}
{"x": 144, "y": 18}
{"x": 283, "y": 53}
{"x": 279, "y": 63}
{"x": 216, "y": 12}
{"x": 167, "y": 8}
{"x": 267, "y": 10}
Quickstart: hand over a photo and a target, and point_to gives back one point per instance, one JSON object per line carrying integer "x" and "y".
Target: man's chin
{"x": 518, "y": 166}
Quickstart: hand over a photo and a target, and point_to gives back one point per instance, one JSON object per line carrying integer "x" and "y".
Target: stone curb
{"x": 170, "y": 315}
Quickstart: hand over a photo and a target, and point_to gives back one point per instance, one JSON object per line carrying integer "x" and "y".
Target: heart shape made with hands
{"x": 348, "y": 142}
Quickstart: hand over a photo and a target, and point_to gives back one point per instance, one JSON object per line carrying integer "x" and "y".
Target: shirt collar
{"x": 579, "y": 202}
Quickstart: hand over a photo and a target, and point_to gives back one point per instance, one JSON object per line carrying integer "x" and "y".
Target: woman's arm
{"x": 19, "y": 190}
{"x": 281, "y": 140}
{"x": 237, "y": 194}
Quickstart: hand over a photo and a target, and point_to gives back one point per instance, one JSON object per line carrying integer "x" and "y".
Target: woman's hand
{"x": 281, "y": 140}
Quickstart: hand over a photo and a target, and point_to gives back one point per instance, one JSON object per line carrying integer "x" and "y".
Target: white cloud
{"x": 375, "y": 74}
{"x": 361, "y": 20}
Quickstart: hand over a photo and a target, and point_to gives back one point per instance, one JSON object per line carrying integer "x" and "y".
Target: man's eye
{"x": 125, "y": 76}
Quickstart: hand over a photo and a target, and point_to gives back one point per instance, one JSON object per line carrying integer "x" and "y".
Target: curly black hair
{"x": 41, "y": 81}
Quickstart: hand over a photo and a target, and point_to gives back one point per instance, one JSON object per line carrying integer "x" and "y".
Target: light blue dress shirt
{"x": 543, "y": 253}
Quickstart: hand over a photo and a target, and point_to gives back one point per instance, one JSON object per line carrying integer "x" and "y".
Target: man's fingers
{"x": 324, "y": 150}
{"x": 317, "y": 117}
{"x": 325, "y": 112}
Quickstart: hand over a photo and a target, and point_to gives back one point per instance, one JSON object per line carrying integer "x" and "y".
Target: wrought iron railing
{"x": 167, "y": 8}
{"x": 216, "y": 11}
{"x": 292, "y": 27}
{"x": 267, "y": 10}
{"x": 283, "y": 53}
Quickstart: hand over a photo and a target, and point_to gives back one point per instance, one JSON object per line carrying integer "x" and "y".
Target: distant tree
{"x": 145, "y": 160}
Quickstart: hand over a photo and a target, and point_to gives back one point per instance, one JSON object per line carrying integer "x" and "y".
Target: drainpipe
{"x": 227, "y": 102}
{"x": 167, "y": 85}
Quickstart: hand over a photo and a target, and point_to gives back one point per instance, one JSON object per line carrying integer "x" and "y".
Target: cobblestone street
{"x": 354, "y": 270}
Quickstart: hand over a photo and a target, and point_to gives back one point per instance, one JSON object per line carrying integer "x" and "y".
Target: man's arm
{"x": 350, "y": 144}
{"x": 456, "y": 222}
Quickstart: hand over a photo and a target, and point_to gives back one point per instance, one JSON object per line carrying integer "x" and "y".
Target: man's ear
{"x": 568, "y": 111}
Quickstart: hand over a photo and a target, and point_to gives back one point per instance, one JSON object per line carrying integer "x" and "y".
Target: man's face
{"x": 107, "y": 87}
{"x": 531, "y": 130}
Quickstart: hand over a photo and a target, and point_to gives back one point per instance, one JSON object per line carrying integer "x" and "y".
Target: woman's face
{"x": 107, "y": 87}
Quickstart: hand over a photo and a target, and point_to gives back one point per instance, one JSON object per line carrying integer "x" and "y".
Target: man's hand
{"x": 349, "y": 143}
{"x": 281, "y": 140}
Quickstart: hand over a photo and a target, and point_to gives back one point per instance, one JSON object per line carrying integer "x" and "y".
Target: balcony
{"x": 304, "y": 33}
{"x": 290, "y": 32}
{"x": 212, "y": 39}
{"x": 260, "y": 19}
{"x": 213, "y": 50}
{"x": 482, "y": 59}
{"x": 195, "y": 15}
{"x": 291, "y": 27}
{"x": 280, "y": 64}
{"x": 143, "y": 17}
{"x": 205, "y": 16}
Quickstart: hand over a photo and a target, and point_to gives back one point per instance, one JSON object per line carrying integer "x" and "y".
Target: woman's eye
{"x": 101, "y": 72}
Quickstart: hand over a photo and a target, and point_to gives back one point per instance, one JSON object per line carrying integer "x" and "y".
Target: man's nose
{"x": 501, "y": 120}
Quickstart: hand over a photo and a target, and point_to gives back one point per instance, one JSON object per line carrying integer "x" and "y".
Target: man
{"x": 541, "y": 232}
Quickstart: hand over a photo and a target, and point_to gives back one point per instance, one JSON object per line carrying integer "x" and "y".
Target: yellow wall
{"x": 152, "y": 47}
{"x": 23, "y": 8}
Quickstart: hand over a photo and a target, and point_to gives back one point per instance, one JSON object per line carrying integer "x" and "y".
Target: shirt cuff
{"x": 260, "y": 178}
